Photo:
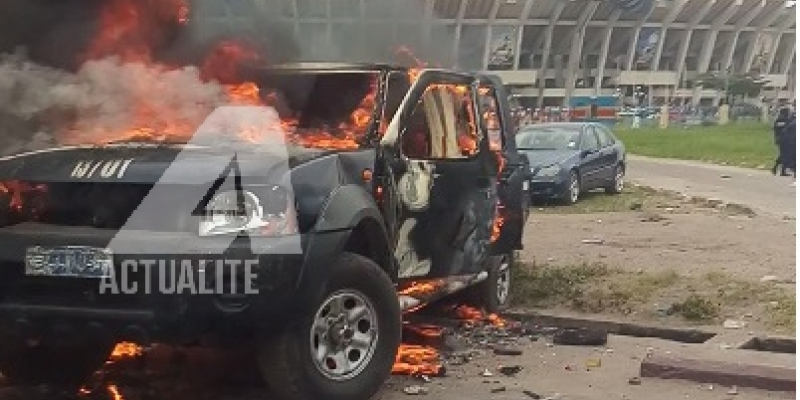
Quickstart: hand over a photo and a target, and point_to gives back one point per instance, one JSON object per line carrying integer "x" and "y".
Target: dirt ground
{"x": 551, "y": 372}
{"x": 692, "y": 244}
{"x": 658, "y": 249}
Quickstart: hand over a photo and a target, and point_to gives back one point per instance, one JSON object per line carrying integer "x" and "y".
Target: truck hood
{"x": 151, "y": 163}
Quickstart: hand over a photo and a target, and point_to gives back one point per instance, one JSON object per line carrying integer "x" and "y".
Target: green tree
{"x": 734, "y": 86}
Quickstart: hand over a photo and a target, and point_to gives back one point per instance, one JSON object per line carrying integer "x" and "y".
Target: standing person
{"x": 778, "y": 129}
{"x": 789, "y": 149}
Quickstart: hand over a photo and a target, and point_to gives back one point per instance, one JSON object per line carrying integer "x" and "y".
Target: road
{"x": 759, "y": 190}
{"x": 553, "y": 372}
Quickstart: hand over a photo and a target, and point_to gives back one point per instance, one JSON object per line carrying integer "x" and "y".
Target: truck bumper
{"x": 151, "y": 305}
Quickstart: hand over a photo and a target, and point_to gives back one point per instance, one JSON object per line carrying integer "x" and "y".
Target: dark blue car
{"x": 568, "y": 159}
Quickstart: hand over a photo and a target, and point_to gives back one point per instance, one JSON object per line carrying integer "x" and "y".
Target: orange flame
{"x": 130, "y": 30}
{"x": 126, "y": 350}
{"x": 420, "y": 288}
{"x": 113, "y": 390}
{"x": 417, "y": 360}
{"x": 474, "y": 315}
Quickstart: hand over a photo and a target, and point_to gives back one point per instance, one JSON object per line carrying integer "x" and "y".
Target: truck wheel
{"x": 66, "y": 367}
{"x": 345, "y": 346}
{"x": 494, "y": 294}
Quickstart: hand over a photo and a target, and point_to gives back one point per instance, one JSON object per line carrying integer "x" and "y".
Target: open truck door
{"x": 514, "y": 171}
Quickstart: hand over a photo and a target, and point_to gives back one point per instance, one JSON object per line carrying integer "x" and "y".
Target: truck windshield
{"x": 322, "y": 109}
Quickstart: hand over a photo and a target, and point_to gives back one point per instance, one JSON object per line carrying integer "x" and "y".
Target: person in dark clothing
{"x": 788, "y": 147}
{"x": 778, "y": 129}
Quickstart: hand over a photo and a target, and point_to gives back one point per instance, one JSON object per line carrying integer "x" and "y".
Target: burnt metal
{"x": 68, "y": 201}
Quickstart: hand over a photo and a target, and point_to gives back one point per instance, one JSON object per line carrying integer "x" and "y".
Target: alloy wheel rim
{"x": 619, "y": 181}
{"x": 574, "y": 190}
{"x": 344, "y": 335}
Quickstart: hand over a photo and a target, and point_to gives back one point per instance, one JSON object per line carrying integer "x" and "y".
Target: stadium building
{"x": 551, "y": 51}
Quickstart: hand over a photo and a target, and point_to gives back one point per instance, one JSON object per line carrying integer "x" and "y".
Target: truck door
{"x": 512, "y": 206}
{"x": 441, "y": 167}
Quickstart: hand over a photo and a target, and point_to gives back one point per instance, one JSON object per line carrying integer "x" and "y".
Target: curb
{"x": 690, "y": 336}
{"x": 722, "y": 373}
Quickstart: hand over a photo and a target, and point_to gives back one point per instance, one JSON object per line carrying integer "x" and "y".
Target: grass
{"x": 638, "y": 198}
{"x": 632, "y": 198}
{"x": 743, "y": 144}
{"x": 599, "y": 288}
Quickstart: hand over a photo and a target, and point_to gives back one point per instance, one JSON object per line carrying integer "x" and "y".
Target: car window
{"x": 589, "y": 140}
{"x": 548, "y": 138}
{"x": 492, "y": 117}
{"x": 442, "y": 125}
{"x": 605, "y": 136}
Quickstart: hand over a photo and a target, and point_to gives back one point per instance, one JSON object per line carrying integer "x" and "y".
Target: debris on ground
{"x": 592, "y": 241}
{"x": 507, "y": 351}
{"x": 733, "y": 324}
{"x": 769, "y": 278}
{"x": 415, "y": 390}
{"x": 532, "y": 395}
{"x": 593, "y": 363}
{"x": 510, "y": 370}
{"x": 498, "y": 389}
{"x": 636, "y": 381}
{"x": 581, "y": 337}
{"x": 734, "y": 390}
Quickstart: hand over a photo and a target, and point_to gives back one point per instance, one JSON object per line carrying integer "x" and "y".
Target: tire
{"x": 573, "y": 190}
{"x": 286, "y": 360}
{"x": 618, "y": 184}
{"x": 494, "y": 294}
{"x": 65, "y": 367}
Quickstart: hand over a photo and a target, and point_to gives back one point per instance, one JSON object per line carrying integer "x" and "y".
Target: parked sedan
{"x": 568, "y": 159}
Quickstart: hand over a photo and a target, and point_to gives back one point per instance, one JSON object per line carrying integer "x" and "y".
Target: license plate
{"x": 69, "y": 261}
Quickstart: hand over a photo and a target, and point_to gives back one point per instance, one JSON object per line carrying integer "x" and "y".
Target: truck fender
{"x": 349, "y": 210}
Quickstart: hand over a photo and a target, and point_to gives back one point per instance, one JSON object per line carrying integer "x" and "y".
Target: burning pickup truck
{"x": 391, "y": 187}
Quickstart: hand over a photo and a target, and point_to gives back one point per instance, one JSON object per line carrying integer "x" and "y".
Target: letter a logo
{"x": 233, "y": 156}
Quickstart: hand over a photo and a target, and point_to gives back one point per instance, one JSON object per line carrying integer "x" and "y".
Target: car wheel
{"x": 618, "y": 183}
{"x": 573, "y": 190}
{"x": 494, "y": 294}
{"x": 67, "y": 367}
{"x": 345, "y": 346}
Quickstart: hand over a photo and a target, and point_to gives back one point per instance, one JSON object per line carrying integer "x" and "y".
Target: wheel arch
{"x": 369, "y": 239}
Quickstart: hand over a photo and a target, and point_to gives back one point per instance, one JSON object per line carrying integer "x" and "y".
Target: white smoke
{"x": 102, "y": 96}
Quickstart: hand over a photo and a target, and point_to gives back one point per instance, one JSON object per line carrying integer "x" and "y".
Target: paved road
{"x": 759, "y": 190}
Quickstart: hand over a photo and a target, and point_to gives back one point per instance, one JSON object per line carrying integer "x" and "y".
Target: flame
{"x": 130, "y": 30}
{"x": 417, "y": 360}
{"x": 474, "y": 315}
{"x": 113, "y": 390}
{"x": 420, "y": 288}
{"x": 17, "y": 190}
{"x": 499, "y": 220}
{"x": 126, "y": 350}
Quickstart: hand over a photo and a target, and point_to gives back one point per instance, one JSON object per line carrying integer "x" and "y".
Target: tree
{"x": 733, "y": 85}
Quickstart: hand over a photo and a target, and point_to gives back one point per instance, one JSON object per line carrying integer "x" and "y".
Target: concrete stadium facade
{"x": 549, "y": 51}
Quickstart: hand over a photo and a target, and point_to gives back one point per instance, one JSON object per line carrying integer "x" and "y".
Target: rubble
{"x": 415, "y": 390}
{"x": 581, "y": 337}
{"x": 733, "y": 324}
